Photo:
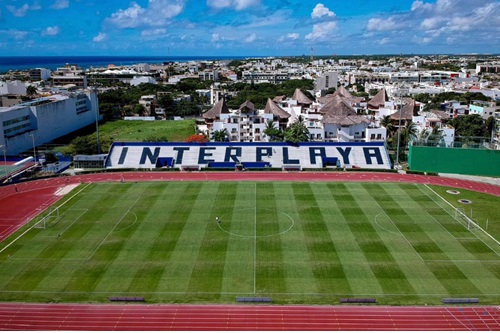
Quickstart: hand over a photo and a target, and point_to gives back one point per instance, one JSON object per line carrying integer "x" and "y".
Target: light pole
{"x": 401, "y": 92}
{"x": 34, "y": 149}
{"x": 97, "y": 119}
{"x": 4, "y": 160}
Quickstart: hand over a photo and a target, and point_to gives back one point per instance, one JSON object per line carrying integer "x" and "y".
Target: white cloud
{"x": 23, "y": 10}
{"x": 215, "y": 37}
{"x": 326, "y": 23}
{"x": 157, "y": 13}
{"x": 51, "y": 31}
{"x": 384, "y": 41}
{"x": 379, "y": 24}
{"x": 232, "y": 4}
{"x": 60, "y": 4}
{"x": 321, "y": 31}
{"x": 153, "y": 32}
{"x": 288, "y": 37}
{"x": 320, "y": 11}
{"x": 101, "y": 37}
{"x": 250, "y": 38}
{"x": 14, "y": 34}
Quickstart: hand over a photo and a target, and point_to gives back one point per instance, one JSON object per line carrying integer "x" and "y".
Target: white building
{"x": 12, "y": 88}
{"x": 42, "y": 120}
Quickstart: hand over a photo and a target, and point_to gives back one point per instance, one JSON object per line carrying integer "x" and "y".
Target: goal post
{"x": 464, "y": 220}
{"x": 46, "y": 220}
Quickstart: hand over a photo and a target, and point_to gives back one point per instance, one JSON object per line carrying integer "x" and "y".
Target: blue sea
{"x": 53, "y": 62}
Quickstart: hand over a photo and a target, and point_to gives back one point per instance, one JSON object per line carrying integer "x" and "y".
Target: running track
{"x": 19, "y": 203}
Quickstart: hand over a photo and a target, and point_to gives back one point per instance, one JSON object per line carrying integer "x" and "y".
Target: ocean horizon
{"x": 53, "y": 62}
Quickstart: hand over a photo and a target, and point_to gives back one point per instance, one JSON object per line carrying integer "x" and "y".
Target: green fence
{"x": 480, "y": 162}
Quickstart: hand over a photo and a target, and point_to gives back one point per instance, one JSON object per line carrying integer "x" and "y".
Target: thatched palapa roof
{"x": 301, "y": 98}
{"x": 272, "y": 108}
{"x": 378, "y": 100}
{"x": 337, "y": 106}
{"x": 218, "y": 108}
{"x": 247, "y": 106}
{"x": 408, "y": 110}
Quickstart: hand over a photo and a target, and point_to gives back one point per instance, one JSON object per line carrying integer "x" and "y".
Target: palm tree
{"x": 386, "y": 122}
{"x": 274, "y": 134}
{"x": 220, "y": 135}
{"x": 410, "y": 130}
{"x": 297, "y": 132}
{"x": 31, "y": 91}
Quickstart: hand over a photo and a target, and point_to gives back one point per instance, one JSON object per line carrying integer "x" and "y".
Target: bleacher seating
{"x": 460, "y": 300}
{"x": 255, "y": 155}
{"x": 254, "y": 299}
{"x": 358, "y": 300}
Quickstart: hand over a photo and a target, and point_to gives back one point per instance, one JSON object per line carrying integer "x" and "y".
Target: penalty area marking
{"x": 292, "y": 224}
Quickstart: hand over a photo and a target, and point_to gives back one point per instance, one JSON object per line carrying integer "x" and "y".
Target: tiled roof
{"x": 218, "y": 108}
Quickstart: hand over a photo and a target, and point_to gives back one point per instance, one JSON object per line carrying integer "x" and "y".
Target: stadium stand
{"x": 184, "y": 155}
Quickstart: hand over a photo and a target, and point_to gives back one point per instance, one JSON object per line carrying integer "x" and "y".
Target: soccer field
{"x": 307, "y": 243}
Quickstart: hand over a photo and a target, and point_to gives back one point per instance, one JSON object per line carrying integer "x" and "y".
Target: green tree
{"x": 31, "y": 91}
{"x": 220, "y": 135}
{"x": 386, "y": 122}
{"x": 274, "y": 134}
{"x": 469, "y": 126}
{"x": 297, "y": 132}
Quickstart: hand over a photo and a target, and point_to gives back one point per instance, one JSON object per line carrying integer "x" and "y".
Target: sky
{"x": 248, "y": 27}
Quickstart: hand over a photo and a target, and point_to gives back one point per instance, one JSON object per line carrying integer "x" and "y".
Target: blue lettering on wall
{"x": 123, "y": 155}
{"x": 316, "y": 152}
{"x": 146, "y": 153}
{"x": 230, "y": 156}
{"x": 345, "y": 154}
{"x": 286, "y": 158}
{"x": 263, "y": 152}
{"x": 373, "y": 152}
{"x": 180, "y": 154}
{"x": 204, "y": 154}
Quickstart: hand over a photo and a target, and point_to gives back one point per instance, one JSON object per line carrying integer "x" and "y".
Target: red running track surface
{"x": 19, "y": 203}
{"x": 14, "y": 316}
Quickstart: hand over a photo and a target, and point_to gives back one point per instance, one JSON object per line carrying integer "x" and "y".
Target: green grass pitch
{"x": 301, "y": 243}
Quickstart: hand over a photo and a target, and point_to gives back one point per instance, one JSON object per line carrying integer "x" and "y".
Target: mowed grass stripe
{"x": 328, "y": 273}
{"x": 360, "y": 278}
{"x": 178, "y": 275}
{"x": 385, "y": 268}
{"x": 413, "y": 227}
{"x": 298, "y": 267}
{"x": 409, "y": 261}
{"x": 235, "y": 207}
{"x": 270, "y": 268}
{"x": 36, "y": 270}
{"x": 210, "y": 263}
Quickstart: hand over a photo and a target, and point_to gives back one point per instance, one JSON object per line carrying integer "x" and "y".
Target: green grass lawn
{"x": 303, "y": 243}
{"x": 138, "y": 131}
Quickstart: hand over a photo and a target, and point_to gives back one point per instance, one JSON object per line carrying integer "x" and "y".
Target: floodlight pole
{"x": 401, "y": 91}
{"x": 97, "y": 119}
{"x": 4, "y": 160}
{"x": 34, "y": 148}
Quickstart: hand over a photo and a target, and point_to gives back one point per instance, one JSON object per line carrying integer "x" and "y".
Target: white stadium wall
{"x": 135, "y": 155}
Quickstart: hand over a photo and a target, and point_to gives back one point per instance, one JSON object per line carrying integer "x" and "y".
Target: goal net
{"x": 464, "y": 220}
{"x": 47, "y": 220}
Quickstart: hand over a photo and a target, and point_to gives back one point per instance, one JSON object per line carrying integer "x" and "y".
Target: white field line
{"x": 484, "y": 231}
{"x": 114, "y": 227}
{"x": 29, "y": 229}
